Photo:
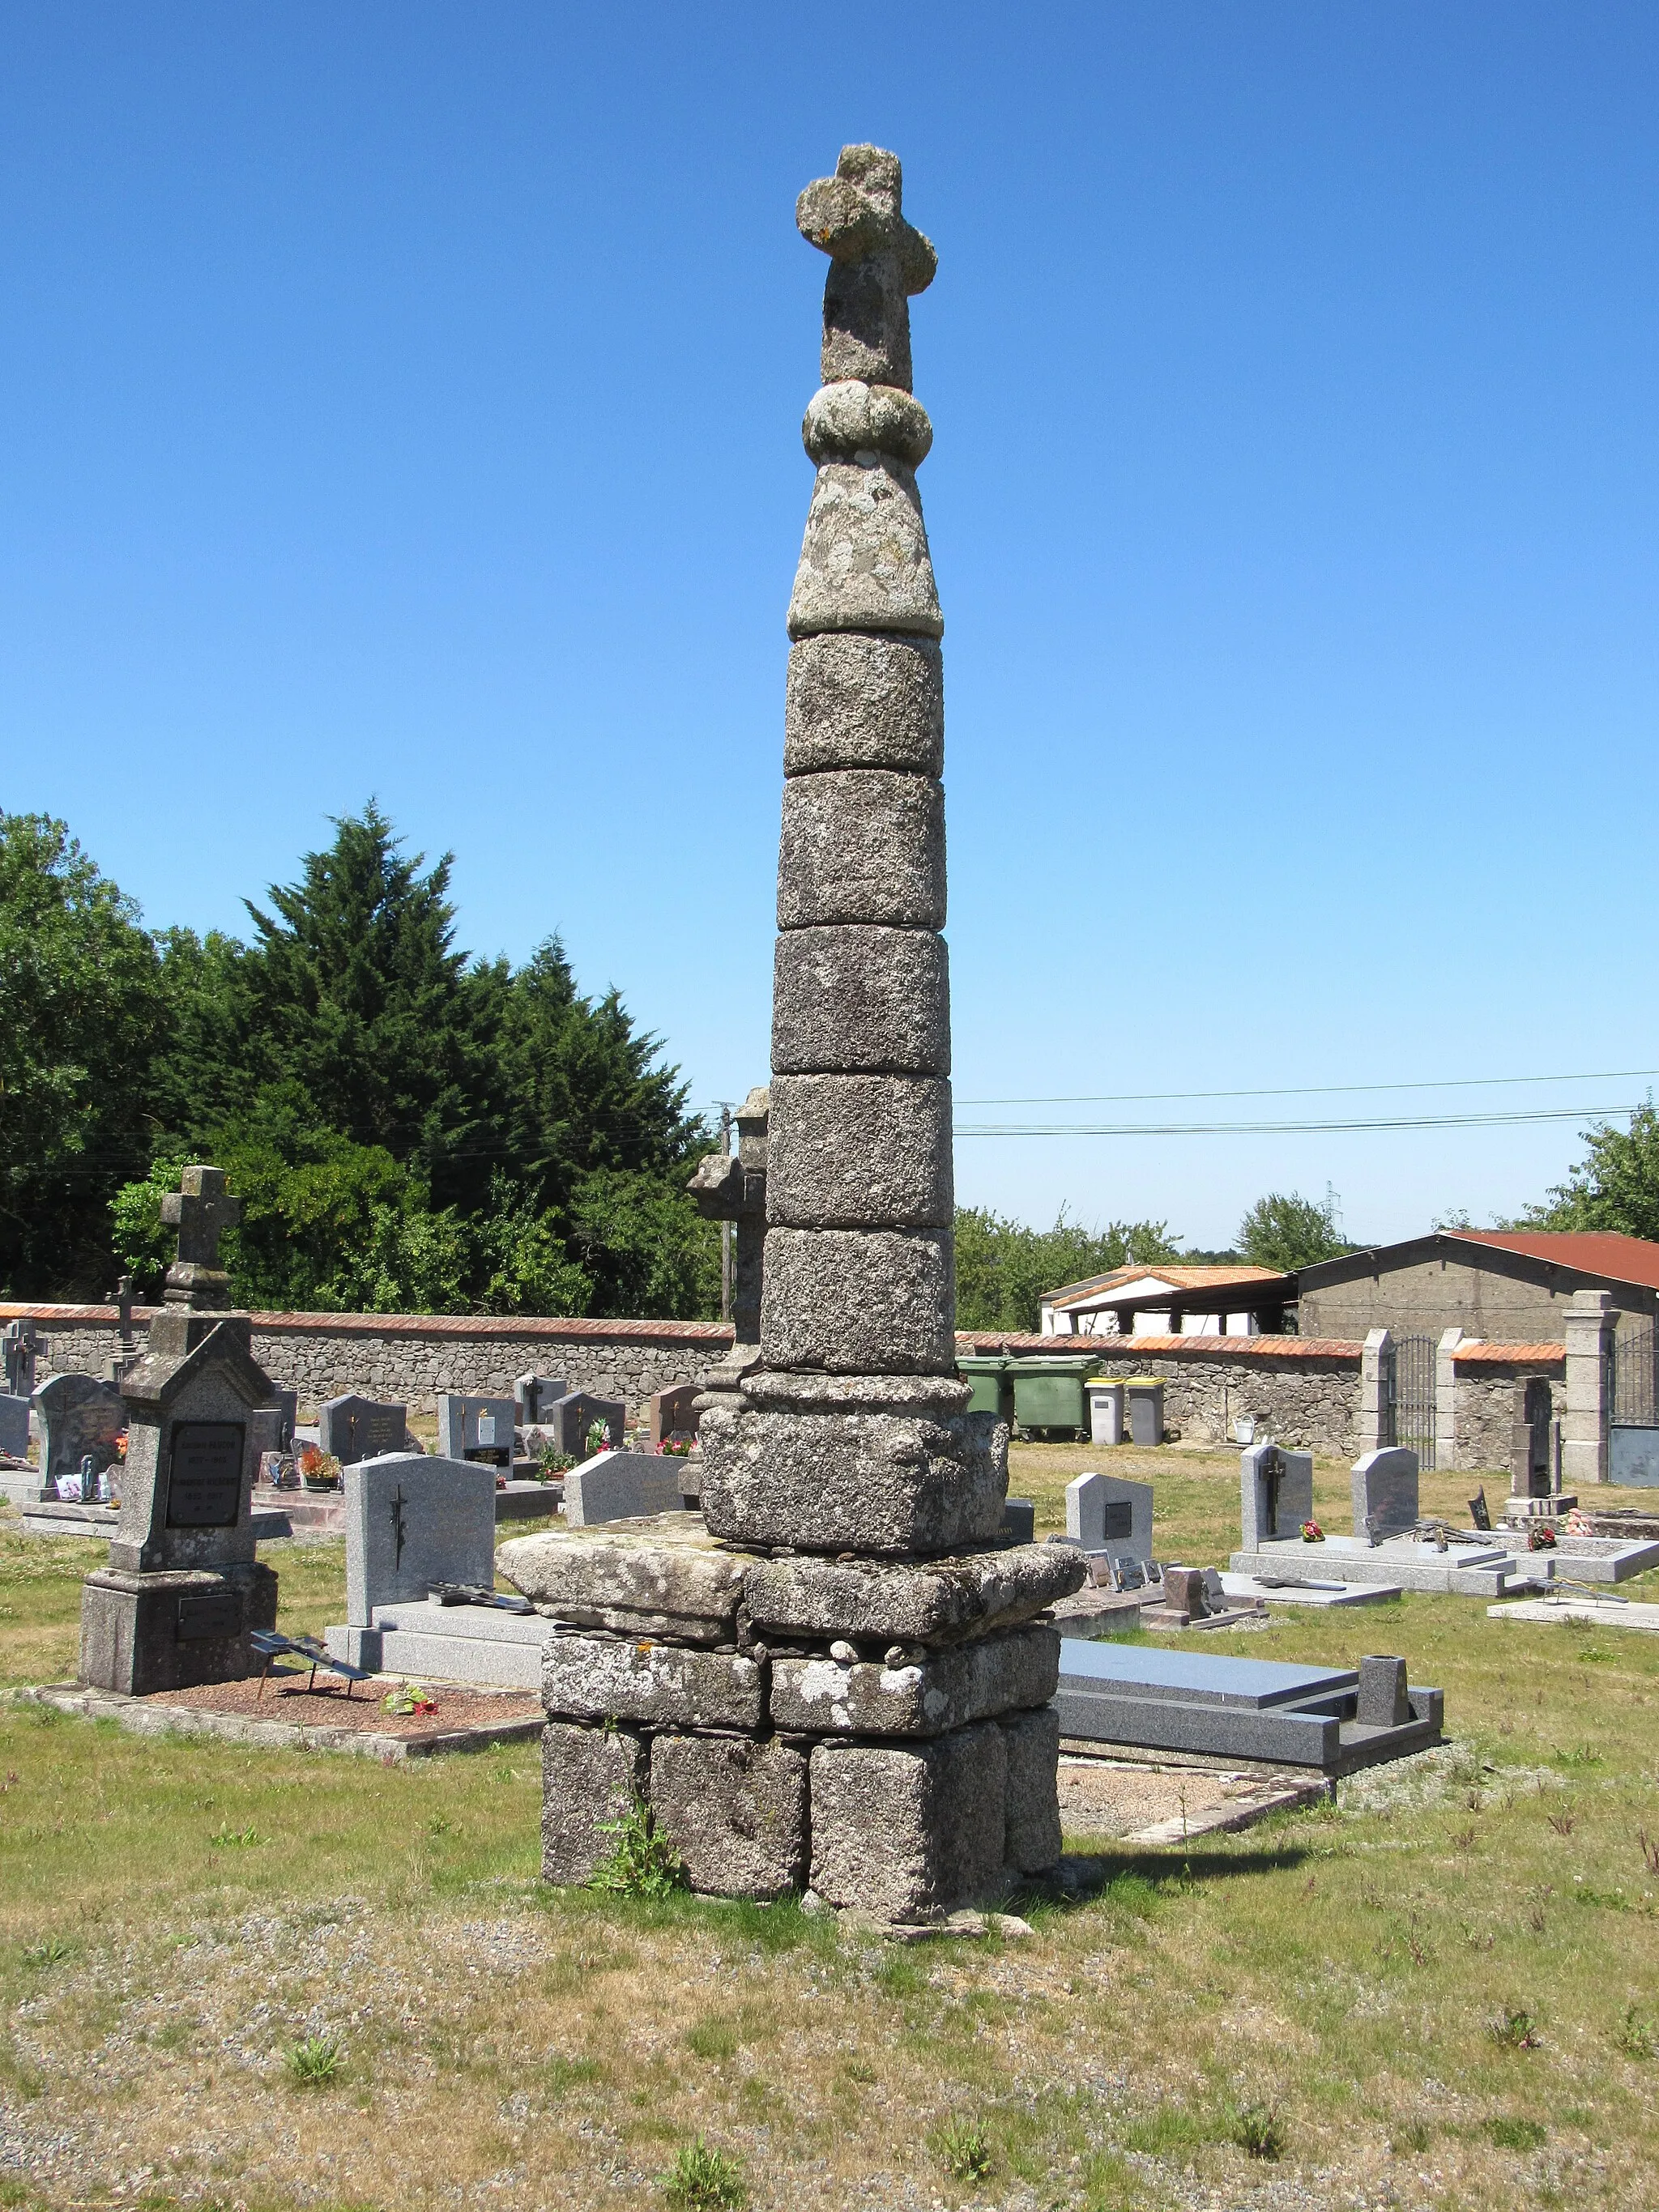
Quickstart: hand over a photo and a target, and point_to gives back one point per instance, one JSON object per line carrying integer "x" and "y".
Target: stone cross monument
{"x": 852, "y": 1435}
{"x": 183, "y": 1588}
{"x": 843, "y": 1678}
{"x": 731, "y": 1187}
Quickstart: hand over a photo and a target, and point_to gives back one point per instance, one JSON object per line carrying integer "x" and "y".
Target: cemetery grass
{"x": 274, "y": 1979}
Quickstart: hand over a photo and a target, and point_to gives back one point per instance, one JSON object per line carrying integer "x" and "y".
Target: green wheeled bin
{"x": 987, "y": 1375}
{"x": 1048, "y": 1395}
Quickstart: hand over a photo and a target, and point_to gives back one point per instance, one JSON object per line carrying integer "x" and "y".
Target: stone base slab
{"x": 662, "y": 1575}
{"x": 935, "y": 1602}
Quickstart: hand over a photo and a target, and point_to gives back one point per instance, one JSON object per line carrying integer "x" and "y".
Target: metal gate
{"x": 1632, "y": 1352}
{"x": 1413, "y": 1407}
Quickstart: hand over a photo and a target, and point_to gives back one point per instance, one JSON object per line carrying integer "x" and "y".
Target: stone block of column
{"x": 909, "y": 1831}
{"x": 864, "y": 560}
{"x": 933, "y": 1603}
{"x": 925, "y": 1693}
{"x": 859, "y": 997}
{"x": 859, "y": 1302}
{"x": 878, "y": 1477}
{"x": 859, "y": 1152}
{"x": 734, "y": 1807}
{"x": 590, "y": 1777}
{"x": 862, "y": 845}
{"x": 1032, "y": 1838}
{"x": 623, "y": 1678}
{"x": 854, "y": 700}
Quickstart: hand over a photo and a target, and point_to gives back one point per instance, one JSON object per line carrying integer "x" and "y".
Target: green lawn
{"x": 1444, "y": 1990}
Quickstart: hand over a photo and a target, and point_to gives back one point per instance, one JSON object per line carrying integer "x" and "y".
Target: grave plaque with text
{"x": 219, "y": 1612}
{"x": 204, "y": 1487}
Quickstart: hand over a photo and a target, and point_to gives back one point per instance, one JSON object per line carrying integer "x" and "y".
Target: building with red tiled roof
{"x": 1159, "y": 1300}
{"x": 1510, "y": 1287}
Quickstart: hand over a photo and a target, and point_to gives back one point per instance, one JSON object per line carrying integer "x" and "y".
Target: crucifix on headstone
{"x": 1270, "y": 1469}
{"x": 399, "y": 1534}
{"x": 201, "y": 1209}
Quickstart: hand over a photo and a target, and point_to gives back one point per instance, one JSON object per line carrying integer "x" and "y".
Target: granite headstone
{"x": 413, "y": 1521}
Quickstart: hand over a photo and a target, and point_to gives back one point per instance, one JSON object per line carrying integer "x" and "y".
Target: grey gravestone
{"x": 81, "y": 1417}
{"x": 20, "y": 1341}
{"x": 412, "y": 1522}
{"x": 670, "y": 1412}
{"x": 534, "y": 1395}
{"x": 570, "y": 1417}
{"x": 1385, "y": 1492}
{"x": 1104, "y": 1513}
{"x": 14, "y": 1425}
{"x": 620, "y": 1486}
{"x": 476, "y": 1429}
{"x": 1105, "y": 1410}
{"x": 1275, "y": 1491}
{"x": 1146, "y": 1412}
{"x": 351, "y": 1428}
{"x": 1019, "y": 1519}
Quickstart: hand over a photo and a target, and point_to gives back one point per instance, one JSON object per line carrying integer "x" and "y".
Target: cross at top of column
{"x": 877, "y": 261}
{"x": 200, "y": 1210}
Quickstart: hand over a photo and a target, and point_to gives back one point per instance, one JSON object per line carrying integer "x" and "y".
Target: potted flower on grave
{"x": 680, "y": 1444}
{"x": 551, "y": 1463}
{"x": 318, "y": 1470}
{"x": 598, "y": 1439}
{"x": 1312, "y": 1532}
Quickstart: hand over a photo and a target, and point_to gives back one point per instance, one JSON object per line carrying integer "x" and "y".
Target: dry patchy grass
{"x": 1350, "y": 1975}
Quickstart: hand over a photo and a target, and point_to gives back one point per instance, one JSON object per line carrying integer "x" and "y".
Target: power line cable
{"x": 1285, "y": 1128}
{"x": 1321, "y": 1090}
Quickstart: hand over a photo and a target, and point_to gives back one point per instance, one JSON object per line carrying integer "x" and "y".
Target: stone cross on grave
{"x": 201, "y": 1209}
{"x": 122, "y": 1297}
{"x": 879, "y": 261}
{"x": 1271, "y": 1470}
{"x": 731, "y": 1187}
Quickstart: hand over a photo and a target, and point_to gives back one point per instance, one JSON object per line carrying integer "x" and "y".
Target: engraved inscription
{"x": 204, "y": 1486}
{"x": 1119, "y": 1520}
{"x": 216, "y": 1613}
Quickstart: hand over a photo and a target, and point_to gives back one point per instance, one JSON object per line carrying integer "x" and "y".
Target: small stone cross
{"x": 200, "y": 1210}
{"x": 878, "y": 260}
{"x": 122, "y": 1295}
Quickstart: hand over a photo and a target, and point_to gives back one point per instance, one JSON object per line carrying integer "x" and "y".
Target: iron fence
{"x": 1633, "y": 1381}
{"x": 1411, "y": 1409}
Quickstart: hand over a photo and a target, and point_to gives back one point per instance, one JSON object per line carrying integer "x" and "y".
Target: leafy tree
{"x": 1615, "y": 1187}
{"x": 81, "y": 1009}
{"x": 645, "y": 1246}
{"x": 354, "y": 989}
{"x": 1285, "y": 1231}
{"x": 1004, "y": 1268}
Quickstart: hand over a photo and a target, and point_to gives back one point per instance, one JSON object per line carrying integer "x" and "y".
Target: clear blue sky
{"x": 403, "y": 399}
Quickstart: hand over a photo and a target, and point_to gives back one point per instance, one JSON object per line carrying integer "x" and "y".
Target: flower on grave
{"x": 599, "y": 1438}
{"x": 550, "y": 1461}
{"x": 1542, "y": 1539}
{"x": 677, "y": 1446}
{"x": 1312, "y": 1532}
{"x": 121, "y": 1445}
{"x": 409, "y": 1698}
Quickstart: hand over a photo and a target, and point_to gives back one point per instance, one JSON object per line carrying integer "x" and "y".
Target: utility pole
{"x": 726, "y": 1106}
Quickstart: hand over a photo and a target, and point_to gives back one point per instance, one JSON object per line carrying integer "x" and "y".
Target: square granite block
{"x": 623, "y": 1678}
{"x": 906, "y": 1831}
{"x": 590, "y": 1777}
{"x": 734, "y": 1806}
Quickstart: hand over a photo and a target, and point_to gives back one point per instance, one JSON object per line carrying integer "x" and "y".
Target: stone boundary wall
{"x": 413, "y": 1357}
{"x": 1307, "y": 1388}
{"x": 1483, "y": 1379}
